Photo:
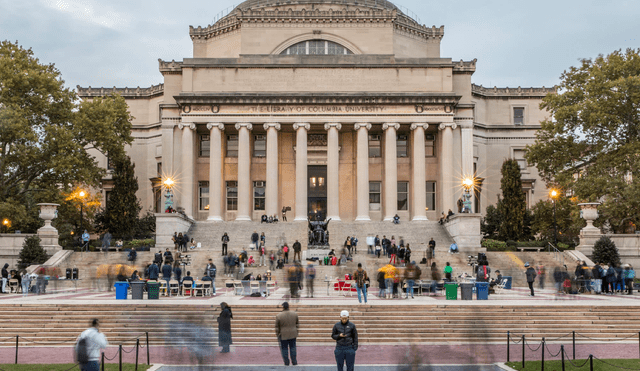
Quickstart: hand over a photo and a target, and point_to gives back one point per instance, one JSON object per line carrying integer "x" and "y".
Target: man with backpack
{"x": 210, "y": 271}
{"x": 361, "y": 278}
{"x": 88, "y": 347}
{"x": 311, "y": 276}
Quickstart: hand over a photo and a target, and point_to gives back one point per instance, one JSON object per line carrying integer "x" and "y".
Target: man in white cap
{"x": 346, "y": 337}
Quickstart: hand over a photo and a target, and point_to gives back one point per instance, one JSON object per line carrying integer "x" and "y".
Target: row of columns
{"x": 446, "y": 188}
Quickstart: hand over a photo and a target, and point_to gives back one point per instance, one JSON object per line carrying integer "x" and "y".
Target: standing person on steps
{"x": 531, "y": 276}
{"x": 225, "y": 241}
{"x": 287, "y": 325}
{"x": 431, "y": 253}
{"x": 361, "y": 278}
{"x": 224, "y": 327}
{"x": 297, "y": 251}
{"x": 346, "y": 337}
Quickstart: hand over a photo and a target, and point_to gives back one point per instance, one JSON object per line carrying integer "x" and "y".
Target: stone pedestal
{"x": 589, "y": 234}
{"x": 48, "y": 234}
{"x": 465, "y": 230}
{"x": 167, "y": 224}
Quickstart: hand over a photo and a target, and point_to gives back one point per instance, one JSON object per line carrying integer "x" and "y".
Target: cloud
{"x": 90, "y": 11}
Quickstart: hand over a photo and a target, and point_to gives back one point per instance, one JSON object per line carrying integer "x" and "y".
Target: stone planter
{"x": 589, "y": 212}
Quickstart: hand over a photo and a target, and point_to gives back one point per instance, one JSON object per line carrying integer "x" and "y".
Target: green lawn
{"x": 65, "y": 367}
{"x": 556, "y": 365}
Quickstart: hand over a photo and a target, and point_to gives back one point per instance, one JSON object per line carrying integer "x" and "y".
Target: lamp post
{"x": 6, "y": 223}
{"x": 467, "y": 183}
{"x": 168, "y": 183}
{"x": 554, "y": 195}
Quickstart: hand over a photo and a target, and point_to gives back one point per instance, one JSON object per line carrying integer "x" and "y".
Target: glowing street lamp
{"x": 168, "y": 183}
{"x": 554, "y": 196}
{"x": 467, "y": 183}
{"x": 82, "y": 195}
{"x": 6, "y": 223}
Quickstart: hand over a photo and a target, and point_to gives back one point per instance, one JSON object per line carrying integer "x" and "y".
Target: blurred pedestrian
{"x": 531, "y": 276}
{"x": 85, "y": 240}
{"x": 311, "y": 276}
{"x": 106, "y": 242}
{"x": 224, "y": 327}
{"x": 287, "y": 325}
{"x": 346, "y": 337}
{"x": 411, "y": 274}
{"x": 5, "y": 278}
{"x": 542, "y": 275}
{"x": 88, "y": 346}
{"x": 431, "y": 253}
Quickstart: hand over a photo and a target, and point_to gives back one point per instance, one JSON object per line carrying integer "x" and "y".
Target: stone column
{"x": 390, "y": 170}
{"x": 244, "y": 171}
{"x": 419, "y": 178}
{"x": 466, "y": 149}
{"x": 167, "y": 148}
{"x": 271, "y": 193}
{"x": 333, "y": 170}
{"x": 446, "y": 166}
{"x": 187, "y": 163}
{"x": 215, "y": 171}
{"x": 301, "y": 129}
{"x": 362, "y": 168}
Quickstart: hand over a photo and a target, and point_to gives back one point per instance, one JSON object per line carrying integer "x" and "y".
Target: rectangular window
{"x": 232, "y": 146}
{"x": 107, "y": 196}
{"x": 258, "y": 195}
{"x": 518, "y": 155}
{"x": 375, "y": 146}
{"x": 203, "y": 191}
{"x": 518, "y": 115}
{"x": 431, "y": 196}
{"x": 205, "y": 145}
{"x": 232, "y": 196}
{"x": 159, "y": 169}
{"x": 403, "y": 195}
{"x": 110, "y": 164}
{"x": 429, "y": 145}
{"x": 402, "y": 145}
{"x": 259, "y": 146}
{"x": 374, "y": 195}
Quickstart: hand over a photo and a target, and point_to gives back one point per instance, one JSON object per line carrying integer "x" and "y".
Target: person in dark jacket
{"x": 5, "y": 278}
{"x": 531, "y": 276}
{"x": 597, "y": 278}
{"x": 154, "y": 271}
{"x": 611, "y": 279}
{"x": 177, "y": 271}
{"x": 166, "y": 273}
{"x": 346, "y": 337}
{"x": 225, "y": 241}
{"x": 224, "y": 327}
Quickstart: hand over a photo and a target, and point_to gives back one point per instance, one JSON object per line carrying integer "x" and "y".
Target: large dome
{"x": 255, "y": 4}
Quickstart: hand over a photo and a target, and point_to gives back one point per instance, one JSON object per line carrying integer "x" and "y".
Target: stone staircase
{"x": 49, "y": 325}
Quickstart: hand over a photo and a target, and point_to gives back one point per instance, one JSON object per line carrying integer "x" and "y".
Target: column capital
{"x": 247, "y": 125}
{"x": 217, "y": 125}
{"x": 303, "y": 125}
{"x": 359, "y": 125}
{"x": 330, "y": 125}
{"x": 465, "y": 124}
{"x": 275, "y": 125}
{"x": 422, "y": 125}
{"x": 190, "y": 125}
{"x": 388, "y": 125}
{"x": 444, "y": 125}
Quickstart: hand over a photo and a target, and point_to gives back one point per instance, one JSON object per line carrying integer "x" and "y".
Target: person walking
{"x": 297, "y": 251}
{"x": 346, "y": 337}
{"x": 311, "y": 276}
{"x": 411, "y": 274}
{"x": 531, "y": 276}
{"x": 361, "y": 278}
{"x": 393, "y": 251}
{"x": 224, "y": 327}
{"x": 431, "y": 254}
{"x": 88, "y": 346}
{"x": 287, "y": 325}
{"x": 629, "y": 275}
{"x": 106, "y": 242}
{"x": 85, "y": 240}
{"x": 5, "y": 278}
{"x": 210, "y": 271}
{"x": 225, "y": 242}
{"x": 381, "y": 284}
{"x": 542, "y": 275}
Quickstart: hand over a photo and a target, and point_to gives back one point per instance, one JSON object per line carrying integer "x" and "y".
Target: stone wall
{"x": 628, "y": 246}
{"x": 465, "y": 230}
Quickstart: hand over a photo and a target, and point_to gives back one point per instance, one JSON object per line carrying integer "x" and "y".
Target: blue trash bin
{"x": 121, "y": 290}
{"x": 482, "y": 290}
{"x": 507, "y": 285}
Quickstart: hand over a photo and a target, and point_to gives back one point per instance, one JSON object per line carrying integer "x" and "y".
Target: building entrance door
{"x": 317, "y": 192}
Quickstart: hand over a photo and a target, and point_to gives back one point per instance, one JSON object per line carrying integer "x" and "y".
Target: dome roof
{"x": 253, "y": 4}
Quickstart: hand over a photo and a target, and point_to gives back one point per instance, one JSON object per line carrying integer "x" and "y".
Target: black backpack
{"x": 380, "y": 277}
{"x": 82, "y": 351}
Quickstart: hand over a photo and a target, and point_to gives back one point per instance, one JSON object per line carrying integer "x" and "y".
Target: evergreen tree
{"x": 120, "y": 215}
{"x": 491, "y": 223}
{"x": 31, "y": 253}
{"x": 605, "y": 251}
{"x": 513, "y": 206}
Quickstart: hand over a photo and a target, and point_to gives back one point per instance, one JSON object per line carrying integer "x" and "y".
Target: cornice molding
{"x": 359, "y": 125}
{"x": 519, "y": 92}
{"x": 126, "y": 92}
{"x": 450, "y": 99}
{"x": 301, "y": 125}
{"x": 217, "y": 125}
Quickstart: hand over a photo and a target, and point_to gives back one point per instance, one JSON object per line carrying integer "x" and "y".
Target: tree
{"x": 512, "y": 206}
{"x": 605, "y": 251}
{"x": 120, "y": 215}
{"x": 31, "y": 253}
{"x": 490, "y": 225}
{"x": 46, "y": 135}
{"x": 591, "y": 144}
{"x": 568, "y": 220}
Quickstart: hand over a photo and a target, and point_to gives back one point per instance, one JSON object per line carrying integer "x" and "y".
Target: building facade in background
{"x": 334, "y": 108}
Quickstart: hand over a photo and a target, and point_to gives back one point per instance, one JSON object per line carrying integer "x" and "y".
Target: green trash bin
{"x": 451, "y": 290}
{"x": 154, "y": 290}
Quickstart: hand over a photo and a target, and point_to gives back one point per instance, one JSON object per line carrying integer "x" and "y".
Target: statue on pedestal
{"x": 318, "y": 233}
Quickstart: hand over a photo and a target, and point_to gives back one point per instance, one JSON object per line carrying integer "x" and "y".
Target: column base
{"x": 215, "y": 219}
{"x": 363, "y": 219}
{"x": 419, "y": 218}
{"x": 243, "y": 219}
{"x": 388, "y": 219}
{"x": 300, "y": 219}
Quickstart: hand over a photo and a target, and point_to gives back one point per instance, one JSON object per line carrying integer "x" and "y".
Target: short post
{"x": 120, "y": 355}
{"x": 148, "y": 362}
{"x": 590, "y": 362}
{"x": 17, "y": 336}
{"x": 542, "y": 346}
{"x": 523, "y": 351}
{"x": 562, "y": 354}
{"x": 638, "y": 344}
{"x": 574, "y": 345}
{"x": 508, "y": 341}
{"x": 102, "y": 361}
{"x": 137, "y": 348}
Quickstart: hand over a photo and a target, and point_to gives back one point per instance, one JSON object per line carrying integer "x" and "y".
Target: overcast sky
{"x": 517, "y": 43}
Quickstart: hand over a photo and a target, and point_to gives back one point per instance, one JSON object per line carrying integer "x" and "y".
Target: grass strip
{"x": 556, "y": 365}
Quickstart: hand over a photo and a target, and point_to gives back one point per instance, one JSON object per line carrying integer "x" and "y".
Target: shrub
{"x": 32, "y": 253}
{"x": 495, "y": 245}
{"x": 605, "y": 251}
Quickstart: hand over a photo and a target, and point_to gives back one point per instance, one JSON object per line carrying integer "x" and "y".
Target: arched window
{"x": 317, "y": 47}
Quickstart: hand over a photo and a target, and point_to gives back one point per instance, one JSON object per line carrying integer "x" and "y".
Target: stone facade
{"x": 361, "y": 130}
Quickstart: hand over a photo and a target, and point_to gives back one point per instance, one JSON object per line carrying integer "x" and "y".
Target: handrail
{"x": 557, "y": 254}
